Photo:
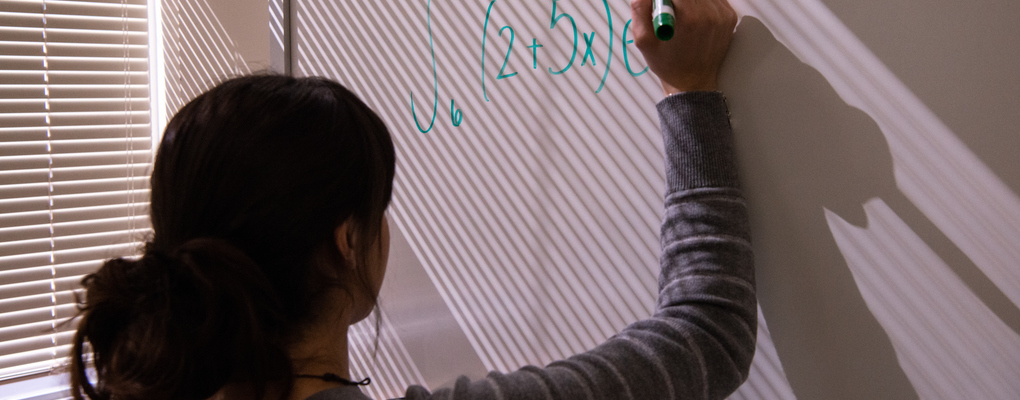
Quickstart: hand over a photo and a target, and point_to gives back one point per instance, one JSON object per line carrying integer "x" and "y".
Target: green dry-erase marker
{"x": 662, "y": 19}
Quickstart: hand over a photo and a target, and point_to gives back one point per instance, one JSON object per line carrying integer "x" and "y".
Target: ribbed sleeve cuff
{"x": 698, "y": 141}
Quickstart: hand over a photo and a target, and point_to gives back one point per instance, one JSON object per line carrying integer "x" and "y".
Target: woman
{"x": 269, "y": 241}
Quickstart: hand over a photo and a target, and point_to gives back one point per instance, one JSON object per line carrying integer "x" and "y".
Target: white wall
{"x": 205, "y": 42}
{"x": 883, "y": 193}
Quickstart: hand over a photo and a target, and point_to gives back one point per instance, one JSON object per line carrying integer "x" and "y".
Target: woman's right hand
{"x": 689, "y": 61}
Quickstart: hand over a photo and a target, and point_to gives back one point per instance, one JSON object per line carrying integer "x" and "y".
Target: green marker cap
{"x": 663, "y": 26}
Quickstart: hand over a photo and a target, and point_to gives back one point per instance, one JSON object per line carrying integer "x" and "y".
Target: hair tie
{"x": 331, "y": 377}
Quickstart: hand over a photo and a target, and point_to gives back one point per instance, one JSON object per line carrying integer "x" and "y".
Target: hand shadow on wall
{"x": 802, "y": 149}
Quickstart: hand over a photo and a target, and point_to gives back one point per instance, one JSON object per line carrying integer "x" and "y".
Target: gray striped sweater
{"x": 701, "y": 338}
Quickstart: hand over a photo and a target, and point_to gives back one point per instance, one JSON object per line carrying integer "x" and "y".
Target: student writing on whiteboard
{"x": 269, "y": 241}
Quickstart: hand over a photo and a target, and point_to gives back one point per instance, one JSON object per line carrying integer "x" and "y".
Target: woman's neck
{"x": 322, "y": 351}
{"x": 319, "y": 348}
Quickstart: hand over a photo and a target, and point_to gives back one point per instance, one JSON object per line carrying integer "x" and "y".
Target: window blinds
{"x": 75, "y": 153}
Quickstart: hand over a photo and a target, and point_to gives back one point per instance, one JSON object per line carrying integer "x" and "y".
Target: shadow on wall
{"x": 811, "y": 152}
{"x": 949, "y": 343}
{"x": 198, "y": 52}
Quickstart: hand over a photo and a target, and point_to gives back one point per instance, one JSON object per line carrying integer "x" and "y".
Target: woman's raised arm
{"x": 700, "y": 341}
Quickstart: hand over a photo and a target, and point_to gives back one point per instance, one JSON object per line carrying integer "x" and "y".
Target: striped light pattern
{"x": 492, "y": 213}
{"x": 279, "y": 37}
{"x": 197, "y": 52}
{"x": 949, "y": 344}
{"x": 74, "y": 158}
{"x": 933, "y": 167}
{"x": 379, "y": 354}
{"x": 767, "y": 379}
{"x": 537, "y": 218}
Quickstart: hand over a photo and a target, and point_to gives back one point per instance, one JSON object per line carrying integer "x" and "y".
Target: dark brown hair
{"x": 250, "y": 183}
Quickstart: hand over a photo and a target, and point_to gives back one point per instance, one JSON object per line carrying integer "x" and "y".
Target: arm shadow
{"x": 801, "y": 150}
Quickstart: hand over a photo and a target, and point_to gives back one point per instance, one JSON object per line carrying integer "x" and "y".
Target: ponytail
{"x": 180, "y": 325}
{"x": 269, "y": 166}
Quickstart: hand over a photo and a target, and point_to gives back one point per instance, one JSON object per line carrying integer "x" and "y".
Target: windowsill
{"x": 49, "y": 387}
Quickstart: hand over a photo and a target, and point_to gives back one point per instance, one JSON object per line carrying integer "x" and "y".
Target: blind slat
{"x": 35, "y": 328}
{"x": 41, "y": 274}
{"x": 71, "y": 91}
{"x": 29, "y": 344}
{"x": 73, "y": 200}
{"x": 19, "y": 34}
{"x": 71, "y": 77}
{"x": 73, "y": 214}
{"x": 12, "y": 361}
{"x": 72, "y": 118}
{"x": 37, "y": 367}
{"x": 87, "y": 187}
{"x": 28, "y": 133}
{"x": 69, "y": 174}
{"x": 135, "y": 8}
{"x": 127, "y": 233}
{"x": 74, "y": 159}
{"x": 72, "y": 145}
{"x": 12, "y": 236}
{"x": 35, "y": 48}
{"x": 65, "y": 283}
{"x": 56, "y": 19}
{"x": 71, "y": 285}
{"x": 122, "y": 243}
{"x": 43, "y": 287}
{"x": 31, "y": 316}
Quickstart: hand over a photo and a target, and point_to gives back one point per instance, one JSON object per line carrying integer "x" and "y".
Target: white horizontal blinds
{"x": 75, "y": 153}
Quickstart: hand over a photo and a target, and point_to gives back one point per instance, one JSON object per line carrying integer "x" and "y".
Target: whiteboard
{"x": 877, "y": 146}
{"x": 530, "y": 184}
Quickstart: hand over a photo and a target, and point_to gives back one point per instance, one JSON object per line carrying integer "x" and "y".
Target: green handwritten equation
{"x": 558, "y": 19}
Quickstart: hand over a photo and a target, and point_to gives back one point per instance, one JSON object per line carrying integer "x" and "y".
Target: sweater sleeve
{"x": 699, "y": 342}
